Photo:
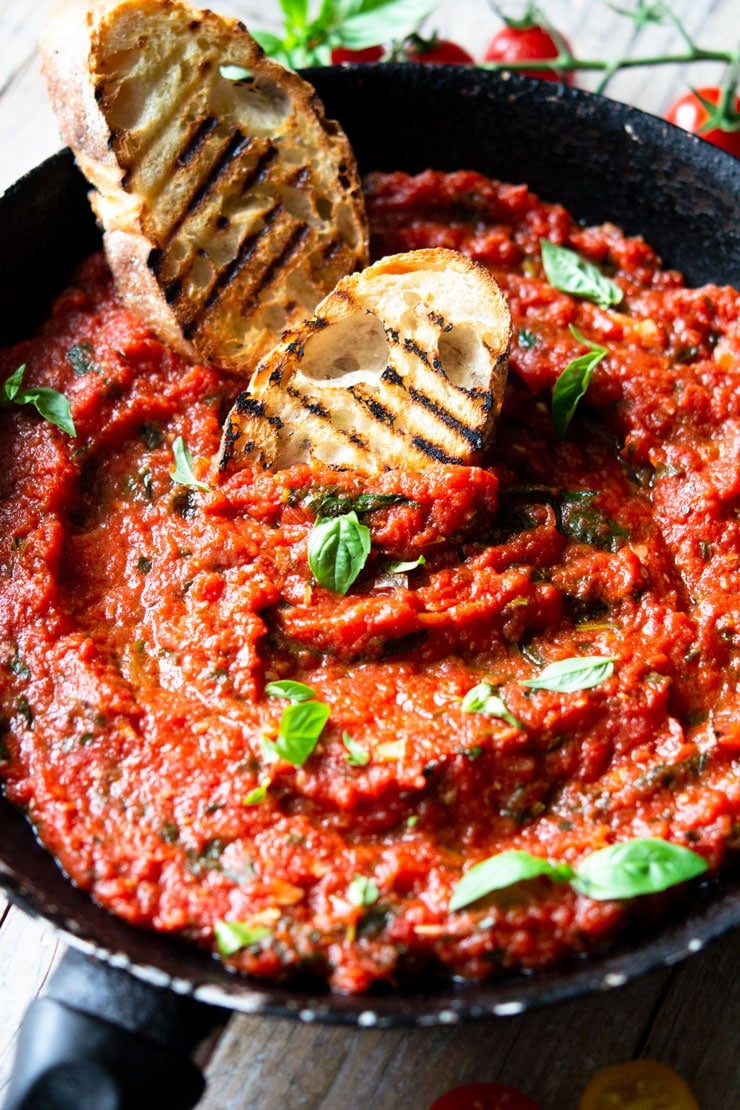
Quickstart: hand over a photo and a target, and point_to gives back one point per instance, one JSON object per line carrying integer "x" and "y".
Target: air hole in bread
{"x": 297, "y": 203}
{"x": 352, "y": 350}
{"x": 464, "y": 359}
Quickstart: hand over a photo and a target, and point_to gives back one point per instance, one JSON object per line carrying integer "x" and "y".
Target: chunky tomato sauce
{"x": 142, "y": 619}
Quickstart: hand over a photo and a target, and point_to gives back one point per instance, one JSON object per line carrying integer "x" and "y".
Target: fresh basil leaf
{"x": 567, "y": 676}
{"x": 580, "y": 520}
{"x": 356, "y": 755}
{"x": 379, "y": 21}
{"x": 299, "y": 730}
{"x": 50, "y": 404}
{"x": 573, "y": 382}
{"x": 287, "y": 688}
{"x": 12, "y": 384}
{"x": 329, "y": 502}
{"x": 182, "y": 471}
{"x": 254, "y": 797}
{"x": 295, "y": 12}
{"x": 402, "y": 567}
{"x": 363, "y": 891}
{"x": 482, "y": 699}
{"x": 501, "y": 871}
{"x": 570, "y": 273}
{"x": 634, "y": 867}
{"x": 233, "y": 935}
{"x": 271, "y": 44}
{"x": 337, "y": 551}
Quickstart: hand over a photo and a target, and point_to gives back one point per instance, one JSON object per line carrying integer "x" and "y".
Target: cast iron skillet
{"x": 604, "y": 161}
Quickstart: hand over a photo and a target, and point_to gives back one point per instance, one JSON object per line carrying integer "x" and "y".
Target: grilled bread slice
{"x": 230, "y": 204}
{"x": 403, "y": 363}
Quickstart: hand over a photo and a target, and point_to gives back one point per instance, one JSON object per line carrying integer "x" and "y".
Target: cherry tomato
{"x": 485, "y": 1096}
{"x": 638, "y": 1085}
{"x": 435, "y": 51}
{"x": 519, "y": 44}
{"x": 367, "y": 54}
{"x": 689, "y": 112}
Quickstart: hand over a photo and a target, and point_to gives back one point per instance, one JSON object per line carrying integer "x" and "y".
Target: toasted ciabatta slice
{"x": 403, "y": 363}
{"x": 230, "y": 204}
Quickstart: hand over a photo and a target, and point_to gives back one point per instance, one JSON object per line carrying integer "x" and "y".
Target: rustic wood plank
{"x": 698, "y": 1028}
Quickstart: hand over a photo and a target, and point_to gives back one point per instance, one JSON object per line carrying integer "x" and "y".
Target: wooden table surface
{"x": 688, "y": 1015}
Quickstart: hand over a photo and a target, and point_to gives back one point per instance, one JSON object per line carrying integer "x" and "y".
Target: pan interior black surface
{"x": 602, "y": 160}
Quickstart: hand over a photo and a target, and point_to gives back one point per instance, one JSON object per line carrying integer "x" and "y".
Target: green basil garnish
{"x": 310, "y": 32}
{"x": 256, "y": 796}
{"x": 328, "y": 501}
{"x": 288, "y": 688}
{"x": 337, "y": 551}
{"x": 49, "y": 403}
{"x": 80, "y": 358}
{"x": 482, "y": 699}
{"x": 572, "y": 384}
{"x": 635, "y": 867}
{"x": 363, "y": 891}
{"x": 299, "y": 730}
{"x": 356, "y": 755}
{"x": 567, "y": 676}
{"x": 233, "y": 935}
{"x": 567, "y": 271}
{"x": 503, "y": 870}
{"x": 625, "y": 870}
{"x": 182, "y": 472}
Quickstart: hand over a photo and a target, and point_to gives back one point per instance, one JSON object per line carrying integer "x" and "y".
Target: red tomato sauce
{"x": 141, "y": 620}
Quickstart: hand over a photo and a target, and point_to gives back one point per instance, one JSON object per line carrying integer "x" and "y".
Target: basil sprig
{"x": 356, "y": 756}
{"x": 308, "y": 38}
{"x": 363, "y": 891}
{"x": 338, "y": 548}
{"x": 231, "y": 936}
{"x": 182, "y": 472}
{"x": 483, "y": 699}
{"x": 629, "y": 869}
{"x": 567, "y": 271}
{"x": 636, "y": 867}
{"x": 301, "y": 723}
{"x": 503, "y": 870}
{"x": 567, "y": 676}
{"x": 299, "y": 730}
{"x": 288, "y": 688}
{"x": 49, "y": 403}
{"x": 572, "y": 384}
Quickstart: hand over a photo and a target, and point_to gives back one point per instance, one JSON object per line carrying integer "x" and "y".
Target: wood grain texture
{"x": 687, "y": 1016}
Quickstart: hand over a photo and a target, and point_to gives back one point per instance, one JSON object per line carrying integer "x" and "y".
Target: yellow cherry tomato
{"x": 638, "y": 1085}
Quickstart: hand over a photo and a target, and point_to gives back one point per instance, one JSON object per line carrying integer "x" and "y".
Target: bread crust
{"x": 229, "y": 208}
{"x": 402, "y": 364}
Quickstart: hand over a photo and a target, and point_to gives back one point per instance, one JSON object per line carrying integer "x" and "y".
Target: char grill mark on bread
{"x": 402, "y": 364}
{"x": 229, "y": 207}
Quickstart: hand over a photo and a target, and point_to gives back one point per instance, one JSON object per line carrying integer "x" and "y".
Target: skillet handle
{"x": 101, "y": 1039}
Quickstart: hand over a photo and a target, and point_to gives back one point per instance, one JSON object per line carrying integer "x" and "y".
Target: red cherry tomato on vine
{"x": 367, "y": 54}
{"x": 435, "y": 51}
{"x": 689, "y": 112}
{"x": 485, "y": 1096}
{"x": 520, "y": 44}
